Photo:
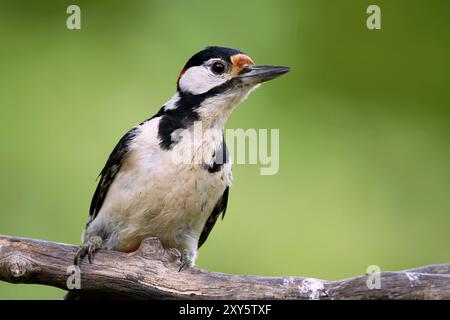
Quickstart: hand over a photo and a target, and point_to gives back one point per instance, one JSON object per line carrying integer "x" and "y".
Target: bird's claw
{"x": 184, "y": 256}
{"x": 88, "y": 248}
{"x": 186, "y": 260}
{"x": 90, "y": 254}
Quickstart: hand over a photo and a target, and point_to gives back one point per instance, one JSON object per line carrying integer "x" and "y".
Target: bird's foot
{"x": 185, "y": 257}
{"x": 88, "y": 248}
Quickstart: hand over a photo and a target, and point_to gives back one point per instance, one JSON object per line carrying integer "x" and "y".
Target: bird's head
{"x": 223, "y": 69}
{"x": 216, "y": 79}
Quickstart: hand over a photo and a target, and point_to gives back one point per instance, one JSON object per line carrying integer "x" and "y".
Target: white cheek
{"x": 197, "y": 80}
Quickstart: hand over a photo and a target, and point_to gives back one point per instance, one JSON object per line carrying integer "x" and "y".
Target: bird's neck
{"x": 214, "y": 111}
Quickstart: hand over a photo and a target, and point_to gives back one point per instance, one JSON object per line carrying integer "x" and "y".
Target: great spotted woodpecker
{"x": 158, "y": 181}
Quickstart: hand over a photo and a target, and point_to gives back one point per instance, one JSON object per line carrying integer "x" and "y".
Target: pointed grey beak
{"x": 258, "y": 74}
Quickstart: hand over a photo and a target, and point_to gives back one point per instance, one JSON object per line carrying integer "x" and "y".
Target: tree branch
{"x": 152, "y": 273}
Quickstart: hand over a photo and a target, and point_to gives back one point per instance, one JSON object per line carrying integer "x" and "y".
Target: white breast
{"x": 153, "y": 196}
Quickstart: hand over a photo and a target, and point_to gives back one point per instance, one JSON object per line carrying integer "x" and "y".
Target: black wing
{"x": 220, "y": 207}
{"x": 109, "y": 172}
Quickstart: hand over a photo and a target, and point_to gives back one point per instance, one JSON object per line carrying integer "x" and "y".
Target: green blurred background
{"x": 363, "y": 116}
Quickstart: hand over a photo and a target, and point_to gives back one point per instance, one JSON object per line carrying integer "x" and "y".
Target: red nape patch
{"x": 181, "y": 73}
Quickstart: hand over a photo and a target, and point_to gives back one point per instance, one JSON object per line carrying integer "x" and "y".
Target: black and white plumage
{"x": 169, "y": 177}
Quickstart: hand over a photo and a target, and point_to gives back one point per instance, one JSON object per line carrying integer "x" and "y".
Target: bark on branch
{"x": 152, "y": 273}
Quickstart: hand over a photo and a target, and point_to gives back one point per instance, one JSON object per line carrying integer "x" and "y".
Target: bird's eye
{"x": 218, "y": 68}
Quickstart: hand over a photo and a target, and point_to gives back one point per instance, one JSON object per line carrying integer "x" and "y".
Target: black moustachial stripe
{"x": 171, "y": 120}
{"x": 185, "y": 113}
